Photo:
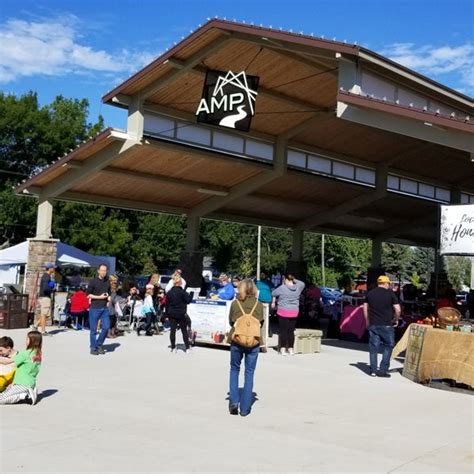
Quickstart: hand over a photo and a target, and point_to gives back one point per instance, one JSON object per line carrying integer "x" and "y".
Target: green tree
{"x": 396, "y": 259}
{"x": 315, "y": 275}
{"x": 422, "y": 263}
{"x": 31, "y": 137}
{"x": 247, "y": 264}
{"x": 459, "y": 271}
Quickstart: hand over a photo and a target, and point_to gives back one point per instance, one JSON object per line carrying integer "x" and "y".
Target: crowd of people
{"x": 153, "y": 310}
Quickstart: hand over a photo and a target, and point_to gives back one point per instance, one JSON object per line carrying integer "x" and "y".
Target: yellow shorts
{"x": 6, "y": 380}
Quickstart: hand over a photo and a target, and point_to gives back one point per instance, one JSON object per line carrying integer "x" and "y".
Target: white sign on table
{"x": 457, "y": 230}
{"x": 210, "y": 320}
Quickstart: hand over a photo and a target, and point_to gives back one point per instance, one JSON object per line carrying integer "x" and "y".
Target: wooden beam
{"x": 93, "y": 164}
{"x": 311, "y": 62}
{"x": 277, "y": 96}
{"x": 118, "y": 203}
{"x": 196, "y": 185}
{"x": 194, "y": 60}
{"x": 248, "y": 186}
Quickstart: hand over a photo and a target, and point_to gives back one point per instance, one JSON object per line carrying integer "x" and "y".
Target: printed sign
{"x": 210, "y": 321}
{"x": 457, "y": 230}
{"x": 414, "y": 349}
{"x": 228, "y": 100}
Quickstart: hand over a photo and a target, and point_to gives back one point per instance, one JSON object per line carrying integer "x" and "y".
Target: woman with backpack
{"x": 246, "y": 319}
{"x": 288, "y": 297}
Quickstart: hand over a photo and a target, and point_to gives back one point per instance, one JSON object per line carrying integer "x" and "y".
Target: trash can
{"x": 307, "y": 341}
{"x": 13, "y": 311}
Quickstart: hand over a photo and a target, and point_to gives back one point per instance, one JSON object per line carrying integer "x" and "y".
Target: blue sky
{"x": 83, "y": 48}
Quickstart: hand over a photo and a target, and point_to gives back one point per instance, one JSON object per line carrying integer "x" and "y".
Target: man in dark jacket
{"x": 47, "y": 285}
{"x": 177, "y": 301}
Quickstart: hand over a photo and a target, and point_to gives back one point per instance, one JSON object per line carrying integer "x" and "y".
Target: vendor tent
{"x": 67, "y": 256}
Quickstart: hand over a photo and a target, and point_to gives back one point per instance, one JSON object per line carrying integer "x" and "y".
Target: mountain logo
{"x": 228, "y": 100}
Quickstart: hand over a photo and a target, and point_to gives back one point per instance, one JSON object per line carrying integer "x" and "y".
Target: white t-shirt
{"x": 171, "y": 284}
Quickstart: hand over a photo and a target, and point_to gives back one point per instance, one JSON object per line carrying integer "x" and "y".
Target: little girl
{"x": 148, "y": 311}
{"x": 28, "y": 363}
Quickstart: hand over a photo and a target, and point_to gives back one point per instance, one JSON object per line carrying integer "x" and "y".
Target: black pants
{"x": 150, "y": 320}
{"x": 113, "y": 321}
{"x": 286, "y": 337}
{"x": 175, "y": 320}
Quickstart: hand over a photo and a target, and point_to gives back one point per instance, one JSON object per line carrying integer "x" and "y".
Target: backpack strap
{"x": 240, "y": 307}
{"x": 254, "y": 308}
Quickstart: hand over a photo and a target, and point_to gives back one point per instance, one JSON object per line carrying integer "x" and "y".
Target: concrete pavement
{"x": 140, "y": 408}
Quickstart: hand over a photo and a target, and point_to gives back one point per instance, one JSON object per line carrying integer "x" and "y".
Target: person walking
{"x": 382, "y": 312}
{"x": 287, "y": 296}
{"x": 244, "y": 306}
{"x": 177, "y": 301}
{"x": 47, "y": 285}
{"x": 99, "y": 295}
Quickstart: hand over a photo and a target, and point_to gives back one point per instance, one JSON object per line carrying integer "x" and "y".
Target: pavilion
{"x": 342, "y": 141}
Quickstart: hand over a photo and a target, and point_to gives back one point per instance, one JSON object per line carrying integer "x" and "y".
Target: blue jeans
{"x": 96, "y": 315}
{"x": 381, "y": 336}
{"x": 236, "y": 354}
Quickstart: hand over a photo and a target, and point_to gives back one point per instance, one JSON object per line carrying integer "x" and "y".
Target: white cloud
{"x": 457, "y": 61}
{"x": 55, "y": 48}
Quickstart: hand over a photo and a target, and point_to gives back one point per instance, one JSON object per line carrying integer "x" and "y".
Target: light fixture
{"x": 213, "y": 192}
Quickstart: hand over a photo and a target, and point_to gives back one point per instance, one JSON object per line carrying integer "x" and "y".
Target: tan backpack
{"x": 247, "y": 328}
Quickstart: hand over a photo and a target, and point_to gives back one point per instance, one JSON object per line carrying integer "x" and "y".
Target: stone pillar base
{"x": 40, "y": 252}
{"x": 298, "y": 268}
{"x": 372, "y": 274}
{"x": 191, "y": 264}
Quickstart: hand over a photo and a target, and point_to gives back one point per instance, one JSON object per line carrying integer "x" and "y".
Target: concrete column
{"x": 297, "y": 247}
{"x": 191, "y": 264}
{"x": 136, "y": 119}
{"x": 192, "y": 233}
{"x": 376, "y": 253}
{"x": 44, "y": 219}
{"x": 296, "y": 265}
{"x": 191, "y": 258}
{"x": 375, "y": 270}
{"x": 40, "y": 252}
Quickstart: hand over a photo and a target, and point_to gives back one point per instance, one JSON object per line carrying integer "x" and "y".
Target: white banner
{"x": 457, "y": 230}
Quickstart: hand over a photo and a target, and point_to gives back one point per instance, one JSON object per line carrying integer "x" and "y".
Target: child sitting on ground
{"x": 6, "y": 373}
{"x": 28, "y": 363}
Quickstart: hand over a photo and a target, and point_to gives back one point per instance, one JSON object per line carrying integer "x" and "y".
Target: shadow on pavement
{"x": 111, "y": 347}
{"x": 255, "y": 398}
{"x": 47, "y": 393}
{"x": 362, "y": 366}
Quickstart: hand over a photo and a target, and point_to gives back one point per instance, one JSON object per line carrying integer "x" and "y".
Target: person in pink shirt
{"x": 287, "y": 296}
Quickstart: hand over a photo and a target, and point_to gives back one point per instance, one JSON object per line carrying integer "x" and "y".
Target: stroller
{"x": 129, "y": 313}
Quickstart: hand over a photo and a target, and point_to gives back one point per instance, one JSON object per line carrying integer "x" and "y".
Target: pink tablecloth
{"x": 353, "y": 321}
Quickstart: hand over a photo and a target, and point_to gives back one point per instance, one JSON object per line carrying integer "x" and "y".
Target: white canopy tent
{"x": 12, "y": 258}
